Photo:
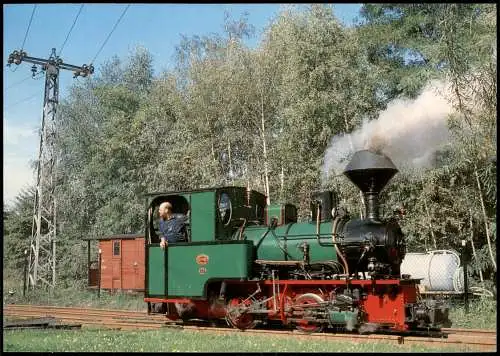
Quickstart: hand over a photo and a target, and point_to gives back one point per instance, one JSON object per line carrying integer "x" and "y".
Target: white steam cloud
{"x": 409, "y": 132}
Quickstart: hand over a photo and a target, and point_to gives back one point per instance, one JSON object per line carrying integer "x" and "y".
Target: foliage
{"x": 455, "y": 42}
{"x": 482, "y": 314}
{"x": 320, "y": 91}
{"x": 18, "y": 223}
{"x": 69, "y": 294}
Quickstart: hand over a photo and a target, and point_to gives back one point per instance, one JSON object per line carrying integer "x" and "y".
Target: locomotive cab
{"x": 213, "y": 214}
{"x": 209, "y": 253}
{"x": 180, "y": 207}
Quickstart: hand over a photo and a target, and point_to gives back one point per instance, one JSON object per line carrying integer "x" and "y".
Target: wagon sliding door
{"x": 116, "y": 264}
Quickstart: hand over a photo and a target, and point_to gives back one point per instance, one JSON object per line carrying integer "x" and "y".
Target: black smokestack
{"x": 370, "y": 172}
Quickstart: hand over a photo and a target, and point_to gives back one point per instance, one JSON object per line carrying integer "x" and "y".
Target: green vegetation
{"x": 100, "y": 340}
{"x": 74, "y": 296}
{"x": 482, "y": 314}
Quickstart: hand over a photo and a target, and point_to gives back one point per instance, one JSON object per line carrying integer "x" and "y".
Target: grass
{"x": 80, "y": 298}
{"x": 482, "y": 314}
{"x": 103, "y": 340}
{"x": 74, "y": 296}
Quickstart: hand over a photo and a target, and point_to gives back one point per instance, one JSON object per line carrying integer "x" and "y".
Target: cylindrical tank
{"x": 359, "y": 240}
{"x": 437, "y": 268}
{"x": 285, "y": 242}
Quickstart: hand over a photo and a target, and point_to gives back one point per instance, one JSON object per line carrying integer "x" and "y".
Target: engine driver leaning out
{"x": 171, "y": 226}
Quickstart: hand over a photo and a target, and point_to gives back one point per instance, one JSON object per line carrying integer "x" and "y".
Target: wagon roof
{"x": 116, "y": 237}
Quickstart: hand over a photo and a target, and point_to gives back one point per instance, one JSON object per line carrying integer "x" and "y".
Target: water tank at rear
{"x": 440, "y": 270}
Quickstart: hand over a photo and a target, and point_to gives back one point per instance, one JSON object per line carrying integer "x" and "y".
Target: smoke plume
{"x": 409, "y": 132}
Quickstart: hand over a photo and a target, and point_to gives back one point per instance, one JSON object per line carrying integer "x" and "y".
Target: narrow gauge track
{"x": 466, "y": 339}
{"x": 115, "y": 319}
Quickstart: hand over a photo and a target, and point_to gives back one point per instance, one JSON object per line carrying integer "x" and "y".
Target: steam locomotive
{"x": 247, "y": 263}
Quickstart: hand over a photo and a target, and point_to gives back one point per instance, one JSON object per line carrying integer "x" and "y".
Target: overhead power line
{"x": 19, "y": 82}
{"x": 71, "y": 29}
{"x": 107, "y": 38}
{"x": 36, "y": 77}
{"x": 29, "y": 25}
{"x": 22, "y": 101}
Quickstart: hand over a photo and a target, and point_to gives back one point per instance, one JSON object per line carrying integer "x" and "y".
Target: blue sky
{"x": 157, "y": 27}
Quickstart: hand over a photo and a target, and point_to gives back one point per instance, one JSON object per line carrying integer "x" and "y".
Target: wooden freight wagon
{"x": 121, "y": 264}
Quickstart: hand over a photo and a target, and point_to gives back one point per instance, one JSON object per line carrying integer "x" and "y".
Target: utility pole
{"x": 42, "y": 257}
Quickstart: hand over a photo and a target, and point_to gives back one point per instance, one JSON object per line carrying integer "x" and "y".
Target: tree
{"x": 324, "y": 88}
{"x": 456, "y": 42}
{"x": 18, "y": 221}
{"x": 472, "y": 73}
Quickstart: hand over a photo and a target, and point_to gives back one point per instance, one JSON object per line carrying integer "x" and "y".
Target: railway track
{"x": 464, "y": 339}
{"x": 114, "y": 319}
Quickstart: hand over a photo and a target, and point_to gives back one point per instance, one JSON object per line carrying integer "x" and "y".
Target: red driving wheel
{"x": 306, "y": 325}
{"x": 237, "y": 317}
